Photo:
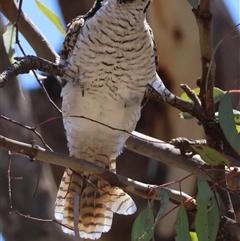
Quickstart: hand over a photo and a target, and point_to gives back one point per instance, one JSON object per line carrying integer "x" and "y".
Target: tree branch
{"x": 29, "y": 30}
{"x": 212, "y": 128}
{"x": 164, "y": 152}
{"x": 141, "y": 189}
{"x": 127, "y": 184}
{"x": 25, "y": 64}
{"x": 204, "y": 20}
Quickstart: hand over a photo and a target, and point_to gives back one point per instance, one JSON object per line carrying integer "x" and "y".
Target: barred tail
{"x": 98, "y": 202}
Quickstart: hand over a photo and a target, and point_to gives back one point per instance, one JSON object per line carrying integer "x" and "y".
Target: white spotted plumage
{"x": 110, "y": 57}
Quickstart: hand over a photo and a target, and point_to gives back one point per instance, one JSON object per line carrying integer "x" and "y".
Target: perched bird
{"x": 110, "y": 56}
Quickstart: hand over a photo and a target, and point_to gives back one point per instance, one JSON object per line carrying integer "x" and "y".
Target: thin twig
{"x": 33, "y": 129}
{"x": 9, "y": 180}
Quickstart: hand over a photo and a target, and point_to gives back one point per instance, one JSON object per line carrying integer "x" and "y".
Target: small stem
{"x": 204, "y": 21}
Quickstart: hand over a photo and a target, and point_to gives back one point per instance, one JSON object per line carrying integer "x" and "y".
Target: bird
{"x": 110, "y": 56}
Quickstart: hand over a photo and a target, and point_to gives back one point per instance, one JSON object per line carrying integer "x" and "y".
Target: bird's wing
{"x": 158, "y": 83}
{"x": 145, "y": 100}
{"x": 73, "y": 30}
{"x": 154, "y": 47}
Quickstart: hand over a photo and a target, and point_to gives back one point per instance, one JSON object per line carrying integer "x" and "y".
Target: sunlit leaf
{"x": 210, "y": 155}
{"x": 227, "y": 123}
{"x": 217, "y": 95}
{"x": 164, "y": 203}
{"x": 186, "y": 115}
{"x": 9, "y": 39}
{"x": 207, "y": 217}
{"x": 193, "y": 236}
{"x": 185, "y": 96}
{"x": 181, "y": 225}
{"x": 238, "y": 128}
{"x": 236, "y": 114}
{"x": 52, "y": 16}
{"x": 143, "y": 226}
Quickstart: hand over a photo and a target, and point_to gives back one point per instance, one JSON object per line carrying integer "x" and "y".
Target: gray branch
{"x": 141, "y": 189}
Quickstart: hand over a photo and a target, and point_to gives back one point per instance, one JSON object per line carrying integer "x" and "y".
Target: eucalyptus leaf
{"x": 143, "y": 226}
{"x": 201, "y": 220}
{"x": 213, "y": 220}
{"x": 185, "y": 96}
{"x": 207, "y": 217}
{"x": 52, "y": 16}
{"x": 9, "y": 39}
{"x": 236, "y": 116}
{"x": 227, "y": 122}
{"x": 164, "y": 203}
{"x": 217, "y": 96}
{"x": 181, "y": 225}
{"x": 210, "y": 155}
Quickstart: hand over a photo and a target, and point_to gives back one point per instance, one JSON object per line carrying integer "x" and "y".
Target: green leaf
{"x": 210, "y": 155}
{"x": 181, "y": 225}
{"x": 238, "y": 128}
{"x": 143, "y": 226}
{"x": 217, "y": 95}
{"x": 201, "y": 221}
{"x": 193, "y": 3}
{"x": 52, "y": 16}
{"x": 193, "y": 236}
{"x": 204, "y": 191}
{"x": 207, "y": 217}
{"x": 9, "y": 39}
{"x": 227, "y": 123}
{"x": 214, "y": 219}
{"x": 236, "y": 115}
{"x": 164, "y": 203}
{"x": 185, "y": 96}
{"x": 186, "y": 115}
